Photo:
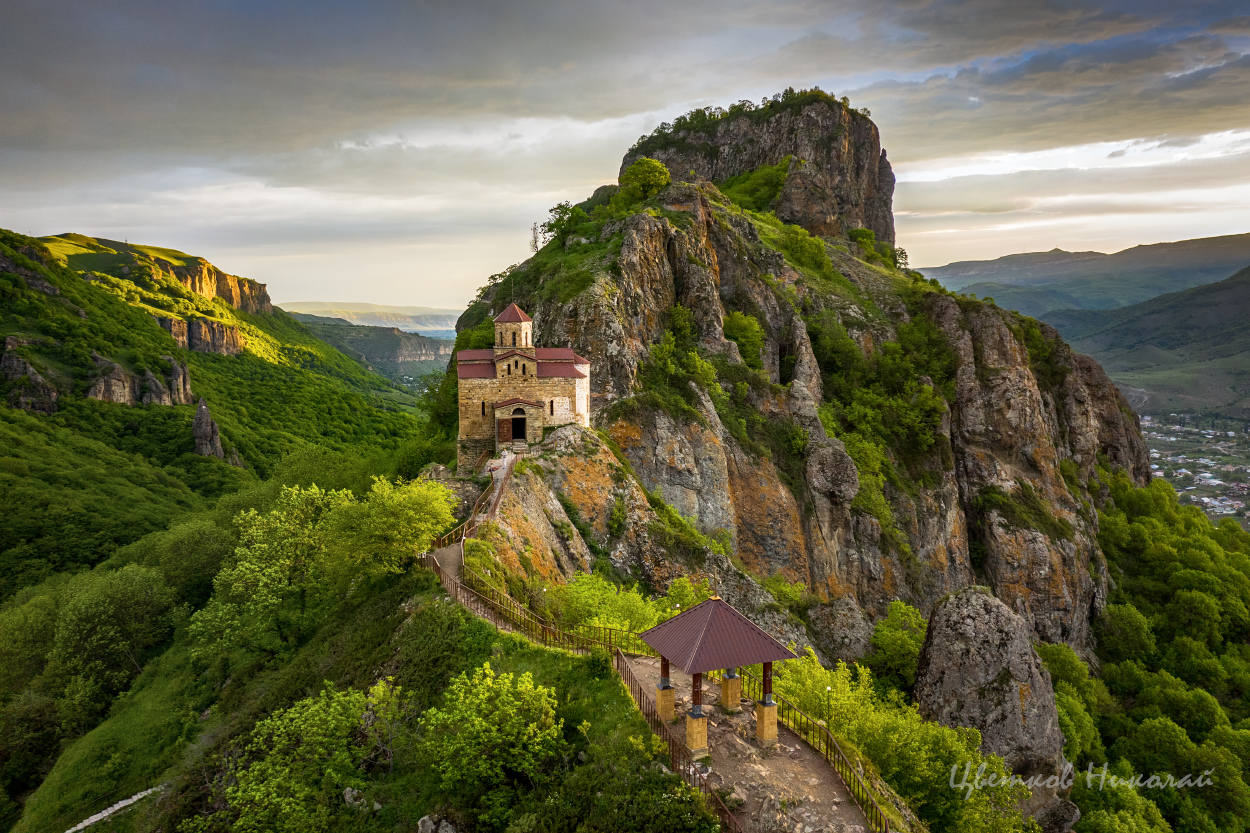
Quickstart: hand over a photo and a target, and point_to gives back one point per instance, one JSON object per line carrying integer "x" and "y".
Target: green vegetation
{"x": 95, "y": 476}
{"x": 757, "y": 189}
{"x": 896, "y": 643}
{"x": 690, "y": 131}
{"x": 1022, "y": 509}
{"x": 642, "y": 181}
{"x": 746, "y": 332}
{"x": 913, "y": 756}
{"x": 1175, "y": 648}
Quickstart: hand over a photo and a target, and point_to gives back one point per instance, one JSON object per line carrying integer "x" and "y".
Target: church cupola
{"x": 514, "y": 330}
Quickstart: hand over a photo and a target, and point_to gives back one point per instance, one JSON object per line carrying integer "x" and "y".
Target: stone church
{"x": 511, "y": 392}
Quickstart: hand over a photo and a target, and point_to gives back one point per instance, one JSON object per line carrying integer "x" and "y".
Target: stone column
{"x": 731, "y": 691}
{"x": 696, "y": 721}
{"x": 766, "y": 712}
{"x": 664, "y": 694}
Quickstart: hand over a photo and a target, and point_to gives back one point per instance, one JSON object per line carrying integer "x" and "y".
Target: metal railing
{"x": 465, "y": 529}
{"x": 683, "y": 765}
{"x": 505, "y": 612}
{"x": 817, "y": 735}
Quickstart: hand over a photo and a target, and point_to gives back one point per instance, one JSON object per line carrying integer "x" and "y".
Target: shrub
{"x": 495, "y": 735}
{"x": 746, "y": 332}
{"x": 896, "y": 642}
{"x": 757, "y": 189}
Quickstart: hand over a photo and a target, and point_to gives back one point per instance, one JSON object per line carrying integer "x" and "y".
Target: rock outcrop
{"x": 204, "y": 336}
{"x": 839, "y": 177}
{"x": 113, "y": 383}
{"x": 978, "y": 668}
{"x": 202, "y": 277}
{"x": 207, "y": 437}
{"x": 31, "y": 392}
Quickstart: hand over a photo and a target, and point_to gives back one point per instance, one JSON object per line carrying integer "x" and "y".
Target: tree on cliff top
{"x": 644, "y": 179}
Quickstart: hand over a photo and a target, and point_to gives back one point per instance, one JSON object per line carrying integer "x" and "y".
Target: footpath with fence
{"x": 477, "y": 595}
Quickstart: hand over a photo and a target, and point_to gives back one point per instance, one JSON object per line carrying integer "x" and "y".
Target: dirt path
{"x": 790, "y": 788}
{"x": 450, "y": 559}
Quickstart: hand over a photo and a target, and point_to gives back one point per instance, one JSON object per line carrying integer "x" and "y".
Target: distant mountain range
{"x": 428, "y": 321}
{"x": 1184, "y": 351}
{"x": 1039, "y": 282}
{"x": 400, "y": 356}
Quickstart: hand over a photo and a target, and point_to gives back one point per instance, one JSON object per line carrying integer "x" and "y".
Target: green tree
{"x": 1124, "y": 633}
{"x": 107, "y": 624}
{"x": 896, "y": 642}
{"x": 495, "y": 735}
{"x": 275, "y": 587}
{"x": 395, "y": 522}
{"x": 644, "y": 179}
{"x": 563, "y": 219}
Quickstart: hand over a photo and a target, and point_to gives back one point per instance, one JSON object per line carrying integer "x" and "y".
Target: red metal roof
{"x": 560, "y": 354}
{"x": 512, "y": 353}
{"x": 559, "y": 370}
{"x": 512, "y": 315}
{"x": 475, "y": 371}
{"x": 517, "y": 401}
{"x": 713, "y": 635}
{"x": 475, "y": 355}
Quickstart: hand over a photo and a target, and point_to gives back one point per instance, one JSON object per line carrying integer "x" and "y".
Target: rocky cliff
{"x": 997, "y": 497}
{"x": 838, "y": 176}
{"x": 113, "y": 383}
{"x": 204, "y": 336}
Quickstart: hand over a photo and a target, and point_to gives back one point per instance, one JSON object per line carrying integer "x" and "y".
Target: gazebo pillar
{"x": 696, "y": 721}
{"x": 731, "y": 691}
{"x": 766, "y": 711}
{"x": 664, "y": 694}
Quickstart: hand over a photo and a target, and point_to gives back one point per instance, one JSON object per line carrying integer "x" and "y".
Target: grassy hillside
{"x": 1039, "y": 282}
{"x": 1185, "y": 351}
{"x": 94, "y": 476}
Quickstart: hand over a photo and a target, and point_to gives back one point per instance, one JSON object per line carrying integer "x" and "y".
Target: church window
{"x": 483, "y": 409}
{"x": 553, "y": 407}
{"x": 514, "y": 339}
{"x": 522, "y": 370}
{"x": 509, "y": 370}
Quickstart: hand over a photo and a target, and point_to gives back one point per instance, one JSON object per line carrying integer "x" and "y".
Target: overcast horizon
{"x": 397, "y": 153}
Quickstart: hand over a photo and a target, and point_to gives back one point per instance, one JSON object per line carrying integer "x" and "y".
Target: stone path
{"x": 121, "y": 805}
{"x": 450, "y": 559}
{"x": 790, "y": 788}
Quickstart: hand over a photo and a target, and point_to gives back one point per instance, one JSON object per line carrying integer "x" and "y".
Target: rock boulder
{"x": 978, "y": 668}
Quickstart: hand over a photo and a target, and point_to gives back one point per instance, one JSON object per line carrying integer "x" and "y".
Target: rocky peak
{"x": 839, "y": 177}
{"x": 207, "y": 436}
{"x": 978, "y": 668}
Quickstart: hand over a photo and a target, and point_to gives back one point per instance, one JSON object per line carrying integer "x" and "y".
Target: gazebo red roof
{"x": 512, "y": 315}
{"x": 712, "y": 635}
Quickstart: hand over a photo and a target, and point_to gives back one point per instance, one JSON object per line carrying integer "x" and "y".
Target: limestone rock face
{"x": 205, "y": 336}
{"x": 204, "y": 429}
{"x": 841, "y": 630}
{"x": 179, "y": 382}
{"x": 202, "y": 277}
{"x": 978, "y": 668}
{"x": 113, "y": 383}
{"x": 177, "y": 328}
{"x": 1015, "y": 420}
{"x": 33, "y": 392}
{"x": 839, "y": 177}
{"x": 154, "y": 391}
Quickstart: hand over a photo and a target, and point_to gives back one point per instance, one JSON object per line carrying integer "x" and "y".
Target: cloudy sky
{"x": 397, "y": 152}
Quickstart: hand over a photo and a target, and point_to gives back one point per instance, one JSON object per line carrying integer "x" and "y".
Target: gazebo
{"x": 712, "y": 636}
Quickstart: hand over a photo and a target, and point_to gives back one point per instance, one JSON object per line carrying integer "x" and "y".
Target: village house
{"x": 510, "y": 392}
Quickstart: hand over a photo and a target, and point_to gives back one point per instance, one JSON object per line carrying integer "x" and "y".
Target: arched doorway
{"x": 518, "y": 424}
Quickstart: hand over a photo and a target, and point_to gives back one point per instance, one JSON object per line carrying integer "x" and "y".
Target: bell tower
{"x": 514, "y": 330}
